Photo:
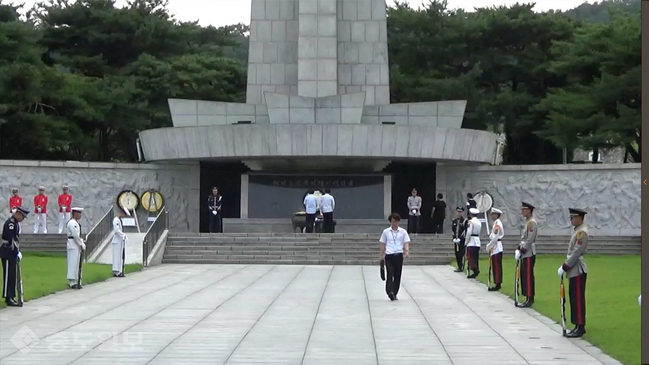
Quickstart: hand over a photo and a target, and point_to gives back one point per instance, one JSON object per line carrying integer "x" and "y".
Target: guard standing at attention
{"x": 458, "y": 226}
{"x": 15, "y": 201}
{"x": 65, "y": 208}
{"x": 495, "y": 248}
{"x": 76, "y": 246}
{"x": 214, "y": 204}
{"x": 575, "y": 267}
{"x": 10, "y": 254}
{"x": 473, "y": 242}
{"x": 40, "y": 208}
{"x": 527, "y": 254}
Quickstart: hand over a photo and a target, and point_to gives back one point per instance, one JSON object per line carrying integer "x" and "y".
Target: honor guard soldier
{"x": 214, "y": 204}
{"x": 10, "y": 254}
{"x": 40, "y": 208}
{"x": 495, "y": 248}
{"x": 76, "y": 246}
{"x": 459, "y": 226}
{"x": 575, "y": 268}
{"x": 65, "y": 204}
{"x": 119, "y": 244}
{"x": 15, "y": 201}
{"x": 473, "y": 242}
{"x": 526, "y": 253}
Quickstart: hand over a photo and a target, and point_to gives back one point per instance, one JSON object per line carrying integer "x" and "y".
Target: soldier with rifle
{"x": 526, "y": 254}
{"x": 76, "y": 246}
{"x": 459, "y": 226}
{"x": 10, "y": 254}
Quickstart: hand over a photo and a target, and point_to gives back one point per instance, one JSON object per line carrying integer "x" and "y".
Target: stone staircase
{"x": 347, "y": 248}
{"x": 53, "y": 243}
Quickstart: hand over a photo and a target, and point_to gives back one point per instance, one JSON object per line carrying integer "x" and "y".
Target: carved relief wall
{"x": 95, "y": 186}
{"x": 610, "y": 193}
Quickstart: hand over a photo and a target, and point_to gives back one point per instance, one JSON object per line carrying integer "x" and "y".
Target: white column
{"x": 387, "y": 195}
{"x": 244, "y": 196}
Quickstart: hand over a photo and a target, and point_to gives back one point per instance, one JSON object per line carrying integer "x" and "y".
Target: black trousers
{"x": 413, "y": 224}
{"x": 328, "y": 222}
{"x": 497, "y": 268}
{"x": 473, "y": 254}
{"x": 438, "y": 225}
{"x": 216, "y": 225}
{"x": 527, "y": 276}
{"x": 577, "y": 292}
{"x": 460, "y": 250}
{"x": 9, "y": 278}
{"x": 393, "y": 266}
{"x": 310, "y": 223}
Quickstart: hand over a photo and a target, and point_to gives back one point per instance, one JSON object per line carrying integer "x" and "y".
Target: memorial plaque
{"x": 279, "y": 196}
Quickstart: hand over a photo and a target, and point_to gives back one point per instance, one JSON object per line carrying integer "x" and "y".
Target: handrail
{"x": 157, "y": 228}
{"x": 99, "y": 231}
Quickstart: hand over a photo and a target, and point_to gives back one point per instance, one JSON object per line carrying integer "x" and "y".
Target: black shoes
{"x": 11, "y": 302}
{"x": 577, "y": 332}
{"x": 495, "y": 288}
{"x": 75, "y": 286}
{"x": 459, "y": 270}
{"x": 474, "y": 275}
{"x": 528, "y": 303}
{"x": 392, "y": 296}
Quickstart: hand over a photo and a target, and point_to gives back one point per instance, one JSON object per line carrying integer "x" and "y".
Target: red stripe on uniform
{"x": 579, "y": 304}
{"x": 529, "y": 276}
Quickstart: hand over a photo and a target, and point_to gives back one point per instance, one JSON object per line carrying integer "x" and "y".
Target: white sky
{"x": 226, "y": 12}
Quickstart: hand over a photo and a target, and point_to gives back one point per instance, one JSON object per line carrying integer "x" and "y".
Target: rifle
{"x": 517, "y": 282}
{"x": 19, "y": 277}
{"x": 123, "y": 257}
{"x": 81, "y": 252}
{"x": 562, "y": 295}
{"x": 489, "y": 273}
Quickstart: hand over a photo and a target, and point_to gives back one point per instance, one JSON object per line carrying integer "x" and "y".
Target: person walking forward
{"x": 495, "y": 248}
{"x": 459, "y": 226}
{"x": 526, "y": 253}
{"x": 575, "y": 267}
{"x": 10, "y": 254}
{"x": 395, "y": 243}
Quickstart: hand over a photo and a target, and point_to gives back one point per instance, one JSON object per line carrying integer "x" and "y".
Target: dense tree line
{"x": 79, "y": 79}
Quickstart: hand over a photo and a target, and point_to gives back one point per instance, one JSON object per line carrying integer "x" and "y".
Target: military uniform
{"x": 10, "y": 255}
{"x": 526, "y": 253}
{"x": 473, "y": 242}
{"x": 459, "y": 226}
{"x": 495, "y": 250}
{"x": 575, "y": 268}
{"x": 216, "y": 222}
{"x": 76, "y": 246}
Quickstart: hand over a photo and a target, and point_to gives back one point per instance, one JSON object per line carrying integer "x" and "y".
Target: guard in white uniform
{"x": 473, "y": 242}
{"x": 495, "y": 248}
{"x": 76, "y": 246}
{"x": 119, "y": 245}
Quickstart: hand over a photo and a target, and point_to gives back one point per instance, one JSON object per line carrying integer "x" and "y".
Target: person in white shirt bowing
{"x": 395, "y": 243}
{"x": 495, "y": 248}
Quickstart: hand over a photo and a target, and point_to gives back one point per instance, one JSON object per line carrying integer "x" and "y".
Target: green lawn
{"x": 612, "y": 289}
{"x": 44, "y": 274}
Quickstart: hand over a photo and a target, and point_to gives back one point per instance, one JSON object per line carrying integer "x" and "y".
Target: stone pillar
{"x": 244, "y": 196}
{"x": 387, "y": 195}
{"x": 317, "y": 48}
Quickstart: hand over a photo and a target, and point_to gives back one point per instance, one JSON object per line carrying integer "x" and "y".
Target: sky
{"x": 225, "y": 12}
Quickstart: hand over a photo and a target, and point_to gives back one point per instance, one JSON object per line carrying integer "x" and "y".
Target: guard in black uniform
{"x": 10, "y": 254}
{"x": 458, "y": 226}
{"x": 214, "y": 204}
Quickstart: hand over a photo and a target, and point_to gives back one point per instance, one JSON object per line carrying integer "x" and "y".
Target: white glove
{"x": 560, "y": 272}
{"x": 83, "y": 246}
{"x": 20, "y": 255}
{"x": 455, "y": 240}
{"x": 39, "y": 209}
{"x": 214, "y": 212}
{"x": 517, "y": 254}
{"x": 640, "y": 300}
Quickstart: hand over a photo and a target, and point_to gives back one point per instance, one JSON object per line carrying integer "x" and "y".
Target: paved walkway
{"x": 238, "y": 314}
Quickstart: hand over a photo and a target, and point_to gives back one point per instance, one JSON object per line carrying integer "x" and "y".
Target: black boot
{"x": 495, "y": 288}
{"x": 11, "y": 302}
{"x": 391, "y": 296}
{"x": 579, "y": 331}
{"x": 528, "y": 303}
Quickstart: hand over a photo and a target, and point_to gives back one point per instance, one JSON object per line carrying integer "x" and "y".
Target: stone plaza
{"x": 293, "y": 314}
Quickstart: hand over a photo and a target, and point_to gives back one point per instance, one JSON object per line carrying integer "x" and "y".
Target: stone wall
{"x": 95, "y": 186}
{"x": 609, "y": 192}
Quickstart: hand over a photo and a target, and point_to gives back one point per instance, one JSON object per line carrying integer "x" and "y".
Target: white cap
{"x": 474, "y": 211}
{"x": 497, "y": 211}
{"x": 77, "y": 210}
{"x": 41, "y": 187}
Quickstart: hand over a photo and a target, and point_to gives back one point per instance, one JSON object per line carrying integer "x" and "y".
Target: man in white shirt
{"x": 327, "y": 206}
{"x": 311, "y": 207}
{"x": 119, "y": 244}
{"x": 76, "y": 246}
{"x": 395, "y": 243}
{"x": 473, "y": 243}
{"x": 495, "y": 248}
